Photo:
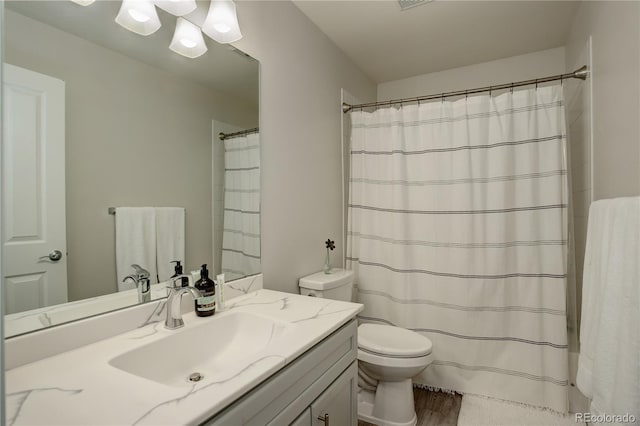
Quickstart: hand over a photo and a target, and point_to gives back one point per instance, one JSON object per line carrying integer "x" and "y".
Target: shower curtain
{"x": 457, "y": 230}
{"x": 241, "y": 233}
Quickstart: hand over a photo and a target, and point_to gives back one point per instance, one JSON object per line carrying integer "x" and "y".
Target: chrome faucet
{"x": 141, "y": 279}
{"x": 176, "y": 291}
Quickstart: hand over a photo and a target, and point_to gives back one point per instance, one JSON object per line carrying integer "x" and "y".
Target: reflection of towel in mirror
{"x": 135, "y": 243}
{"x": 609, "y": 367}
{"x": 170, "y": 239}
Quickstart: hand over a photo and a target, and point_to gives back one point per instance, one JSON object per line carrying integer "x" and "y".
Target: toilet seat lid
{"x": 387, "y": 340}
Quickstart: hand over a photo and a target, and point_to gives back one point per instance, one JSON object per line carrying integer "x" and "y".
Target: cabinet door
{"x": 303, "y": 419}
{"x": 338, "y": 404}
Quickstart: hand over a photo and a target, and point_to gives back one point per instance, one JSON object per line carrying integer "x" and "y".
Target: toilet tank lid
{"x": 322, "y": 281}
{"x": 388, "y": 340}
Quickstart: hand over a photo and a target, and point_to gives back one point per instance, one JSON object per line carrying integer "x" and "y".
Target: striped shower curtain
{"x": 457, "y": 230}
{"x": 241, "y": 233}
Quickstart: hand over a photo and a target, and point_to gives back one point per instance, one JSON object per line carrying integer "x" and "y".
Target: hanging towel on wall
{"x": 135, "y": 242}
{"x": 609, "y": 362}
{"x": 170, "y": 239}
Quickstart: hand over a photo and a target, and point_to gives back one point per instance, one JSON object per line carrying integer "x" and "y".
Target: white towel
{"x": 609, "y": 363}
{"x": 135, "y": 242}
{"x": 170, "y": 239}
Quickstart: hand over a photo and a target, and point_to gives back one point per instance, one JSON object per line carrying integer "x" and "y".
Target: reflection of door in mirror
{"x": 34, "y": 238}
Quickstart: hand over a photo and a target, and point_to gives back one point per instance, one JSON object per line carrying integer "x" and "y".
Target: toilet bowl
{"x": 388, "y": 357}
{"x": 391, "y": 356}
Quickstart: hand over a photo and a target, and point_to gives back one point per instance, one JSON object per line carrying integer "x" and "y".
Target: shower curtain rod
{"x": 224, "y": 136}
{"x": 580, "y": 73}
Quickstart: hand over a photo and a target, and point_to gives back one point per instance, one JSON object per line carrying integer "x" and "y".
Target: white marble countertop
{"x": 80, "y": 387}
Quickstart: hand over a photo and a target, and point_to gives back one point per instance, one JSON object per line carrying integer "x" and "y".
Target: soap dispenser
{"x": 206, "y": 304}
{"x": 178, "y": 271}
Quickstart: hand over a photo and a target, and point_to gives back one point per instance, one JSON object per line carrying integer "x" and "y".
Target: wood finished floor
{"x": 433, "y": 408}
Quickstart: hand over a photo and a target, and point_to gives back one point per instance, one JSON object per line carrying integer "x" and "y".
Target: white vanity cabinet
{"x": 320, "y": 382}
{"x": 338, "y": 404}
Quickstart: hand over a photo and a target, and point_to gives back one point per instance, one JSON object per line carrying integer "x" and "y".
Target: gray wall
{"x": 615, "y": 30}
{"x": 136, "y": 136}
{"x": 514, "y": 68}
{"x": 302, "y": 73}
{"x": 604, "y": 115}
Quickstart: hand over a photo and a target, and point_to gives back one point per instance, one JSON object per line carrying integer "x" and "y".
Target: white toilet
{"x": 388, "y": 357}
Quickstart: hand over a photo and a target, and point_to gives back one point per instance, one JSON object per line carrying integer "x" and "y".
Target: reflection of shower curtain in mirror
{"x": 241, "y": 235}
{"x": 458, "y": 230}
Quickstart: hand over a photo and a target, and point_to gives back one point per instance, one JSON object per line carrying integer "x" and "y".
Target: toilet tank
{"x": 337, "y": 285}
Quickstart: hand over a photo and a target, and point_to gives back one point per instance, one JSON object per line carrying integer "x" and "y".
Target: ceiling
{"x": 222, "y": 67}
{"x": 387, "y": 43}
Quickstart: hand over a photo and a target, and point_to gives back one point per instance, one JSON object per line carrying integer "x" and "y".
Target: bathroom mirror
{"x": 97, "y": 118}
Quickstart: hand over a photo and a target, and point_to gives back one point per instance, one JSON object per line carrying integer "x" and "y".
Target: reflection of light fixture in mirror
{"x": 222, "y": 22}
{"x": 177, "y": 7}
{"x": 187, "y": 40}
{"x": 138, "y": 16}
{"x": 83, "y": 2}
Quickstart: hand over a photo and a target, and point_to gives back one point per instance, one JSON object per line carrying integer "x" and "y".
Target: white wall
{"x": 515, "y": 68}
{"x": 615, "y": 30}
{"x": 2, "y": 362}
{"x": 302, "y": 73}
{"x": 135, "y": 135}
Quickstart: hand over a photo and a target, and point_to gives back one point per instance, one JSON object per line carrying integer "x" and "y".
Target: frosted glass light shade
{"x": 83, "y": 2}
{"x": 222, "y": 22}
{"x": 138, "y": 16}
{"x": 177, "y": 7}
{"x": 187, "y": 39}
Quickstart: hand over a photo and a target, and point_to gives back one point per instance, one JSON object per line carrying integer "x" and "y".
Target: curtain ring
{"x": 511, "y": 88}
{"x": 490, "y": 91}
{"x": 442, "y": 97}
{"x": 536, "y": 84}
{"x": 466, "y": 95}
{"x": 561, "y": 80}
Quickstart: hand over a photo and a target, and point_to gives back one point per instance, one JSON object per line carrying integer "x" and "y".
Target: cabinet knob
{"x": 324, "y": 419}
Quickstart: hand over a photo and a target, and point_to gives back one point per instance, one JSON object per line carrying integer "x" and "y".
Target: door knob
{"x": 324, "y": 419}
{"x": 54, "y": 256}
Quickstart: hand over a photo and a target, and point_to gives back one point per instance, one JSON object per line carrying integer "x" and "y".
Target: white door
{"x": 33, "y": 186}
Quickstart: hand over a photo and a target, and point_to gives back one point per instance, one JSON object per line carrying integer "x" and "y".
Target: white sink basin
{"x": 216, "y": 346}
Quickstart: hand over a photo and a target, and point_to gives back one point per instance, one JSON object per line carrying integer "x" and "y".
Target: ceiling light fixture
{"x": 222, "y": 22}
{"x": 138, "y": 16}
{"x": 177, "y": 7}
{"x": 408, "y": 4}
{"x": 187, "y": 39}
{"x": 83, "y": 2}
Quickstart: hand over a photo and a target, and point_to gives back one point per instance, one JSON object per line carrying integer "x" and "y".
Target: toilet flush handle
{"x": 324, "y": 419}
